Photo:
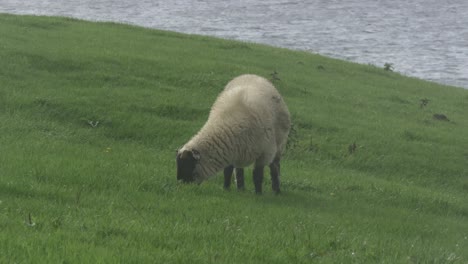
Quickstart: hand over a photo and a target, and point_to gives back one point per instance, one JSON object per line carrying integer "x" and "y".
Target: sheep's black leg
{"x": 275, "y": 175}
{"x": 258, "y": 179}
{"x": 240, "y": 178}
{"x": 227, "y": 176}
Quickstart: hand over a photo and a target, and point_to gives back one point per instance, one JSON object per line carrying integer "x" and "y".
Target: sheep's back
{"x": 249, "y": 95}
{"x": 253, "y": 111}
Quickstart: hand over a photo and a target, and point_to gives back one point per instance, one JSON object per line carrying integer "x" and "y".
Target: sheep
{"x": 248, "y": 124}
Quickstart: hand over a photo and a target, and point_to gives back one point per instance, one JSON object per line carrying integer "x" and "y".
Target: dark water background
{"x": 421, "y": 38}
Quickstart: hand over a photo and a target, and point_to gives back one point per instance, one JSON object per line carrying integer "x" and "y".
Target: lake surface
{"x": 421, "y": 38}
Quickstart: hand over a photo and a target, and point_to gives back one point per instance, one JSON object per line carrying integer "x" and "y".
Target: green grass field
{"x": 91, "y": 115}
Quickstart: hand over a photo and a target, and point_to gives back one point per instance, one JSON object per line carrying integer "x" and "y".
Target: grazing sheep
{"x": 248, "y": 123}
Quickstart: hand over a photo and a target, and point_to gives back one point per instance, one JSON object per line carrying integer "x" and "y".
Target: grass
{"x": 91, "y": 115}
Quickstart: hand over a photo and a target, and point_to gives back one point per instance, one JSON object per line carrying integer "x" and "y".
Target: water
{"x": 421, "y": 38}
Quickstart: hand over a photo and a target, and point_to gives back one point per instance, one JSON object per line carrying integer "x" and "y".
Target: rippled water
{"x": 422, "y": 38}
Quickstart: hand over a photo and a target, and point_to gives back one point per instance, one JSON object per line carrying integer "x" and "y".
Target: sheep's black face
{"x": 186, "y": 162}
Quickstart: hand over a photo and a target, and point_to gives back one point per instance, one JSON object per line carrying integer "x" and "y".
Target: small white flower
{"x": 452, "y": 257}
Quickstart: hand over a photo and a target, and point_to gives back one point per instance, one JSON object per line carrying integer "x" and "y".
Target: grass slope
{"x": 91, "y": 115}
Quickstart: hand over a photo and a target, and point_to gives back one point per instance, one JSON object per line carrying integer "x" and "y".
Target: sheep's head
{"x": 186, "y": 163}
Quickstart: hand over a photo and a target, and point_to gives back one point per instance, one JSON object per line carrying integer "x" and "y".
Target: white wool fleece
{"x": 248, "y": 123}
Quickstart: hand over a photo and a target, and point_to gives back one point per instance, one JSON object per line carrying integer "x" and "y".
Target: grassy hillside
{"x": 91, "y": 115}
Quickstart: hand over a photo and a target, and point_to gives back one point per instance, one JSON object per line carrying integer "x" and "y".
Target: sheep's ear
{"x": 196, "y": 154}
